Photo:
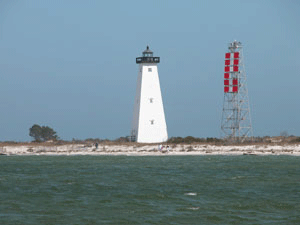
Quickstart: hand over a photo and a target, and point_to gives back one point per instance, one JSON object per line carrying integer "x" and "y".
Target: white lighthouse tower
{"x": 149, "y": 123}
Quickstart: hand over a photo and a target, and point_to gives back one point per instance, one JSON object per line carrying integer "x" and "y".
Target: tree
{"x": 43, "y": 133}
{"x": 284, "y": 133}
{"x": 36, "y": 132}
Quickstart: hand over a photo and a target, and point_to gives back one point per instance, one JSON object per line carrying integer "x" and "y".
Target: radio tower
{"x": 236, "y": 121}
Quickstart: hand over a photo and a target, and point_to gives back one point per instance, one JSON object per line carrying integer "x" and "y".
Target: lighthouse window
{"x": 151, "y": 100}
{"x": 149, "y": 69}
{"x": 152, "y": 122}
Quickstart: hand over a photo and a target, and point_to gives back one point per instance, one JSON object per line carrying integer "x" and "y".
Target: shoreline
{"x": 150, "y": 150}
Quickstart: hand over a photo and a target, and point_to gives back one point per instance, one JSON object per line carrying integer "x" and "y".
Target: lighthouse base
{"x": 149, "y": 124}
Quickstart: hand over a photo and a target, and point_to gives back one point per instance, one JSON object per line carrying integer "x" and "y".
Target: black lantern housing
{"x": 147, "y": 57}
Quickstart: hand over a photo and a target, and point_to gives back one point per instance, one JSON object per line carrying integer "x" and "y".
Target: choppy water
{"x": 149, "y": 190}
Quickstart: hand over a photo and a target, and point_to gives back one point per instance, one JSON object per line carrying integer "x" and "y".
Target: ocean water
{"x": 149, "y": 190}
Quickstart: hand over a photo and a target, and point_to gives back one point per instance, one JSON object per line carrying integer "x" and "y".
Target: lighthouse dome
{"x": 147, "y": 52}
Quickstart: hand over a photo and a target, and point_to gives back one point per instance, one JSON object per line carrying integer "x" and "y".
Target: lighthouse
{"x": 149, "y": 123}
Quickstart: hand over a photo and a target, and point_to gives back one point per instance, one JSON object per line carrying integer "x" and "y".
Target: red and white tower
{"x": 236, "y": 121}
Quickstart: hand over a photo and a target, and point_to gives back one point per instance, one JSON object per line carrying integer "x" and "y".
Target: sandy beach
{"x": 179, "y": 149}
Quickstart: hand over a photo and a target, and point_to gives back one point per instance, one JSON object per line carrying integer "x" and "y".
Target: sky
{"x": 71, "y": 64}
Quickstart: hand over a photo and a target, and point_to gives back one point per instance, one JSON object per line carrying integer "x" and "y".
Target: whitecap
{"x": 190, "y": 193}
{"x": 194, "y": 208}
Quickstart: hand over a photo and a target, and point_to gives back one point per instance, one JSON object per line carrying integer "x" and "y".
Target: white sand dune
{"x": 180, "y": 149}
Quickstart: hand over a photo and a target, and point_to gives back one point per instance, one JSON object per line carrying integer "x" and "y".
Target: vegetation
{"x": 46, "y": 134}
{"x": 190, "y": 139}
{"x": 42, "y": 133}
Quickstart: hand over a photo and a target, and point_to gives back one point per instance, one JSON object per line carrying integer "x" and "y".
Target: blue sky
{"x": 71, "y": 64}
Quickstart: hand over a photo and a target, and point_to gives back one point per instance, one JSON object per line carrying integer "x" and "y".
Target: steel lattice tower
{"x": 236, "y": 121}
